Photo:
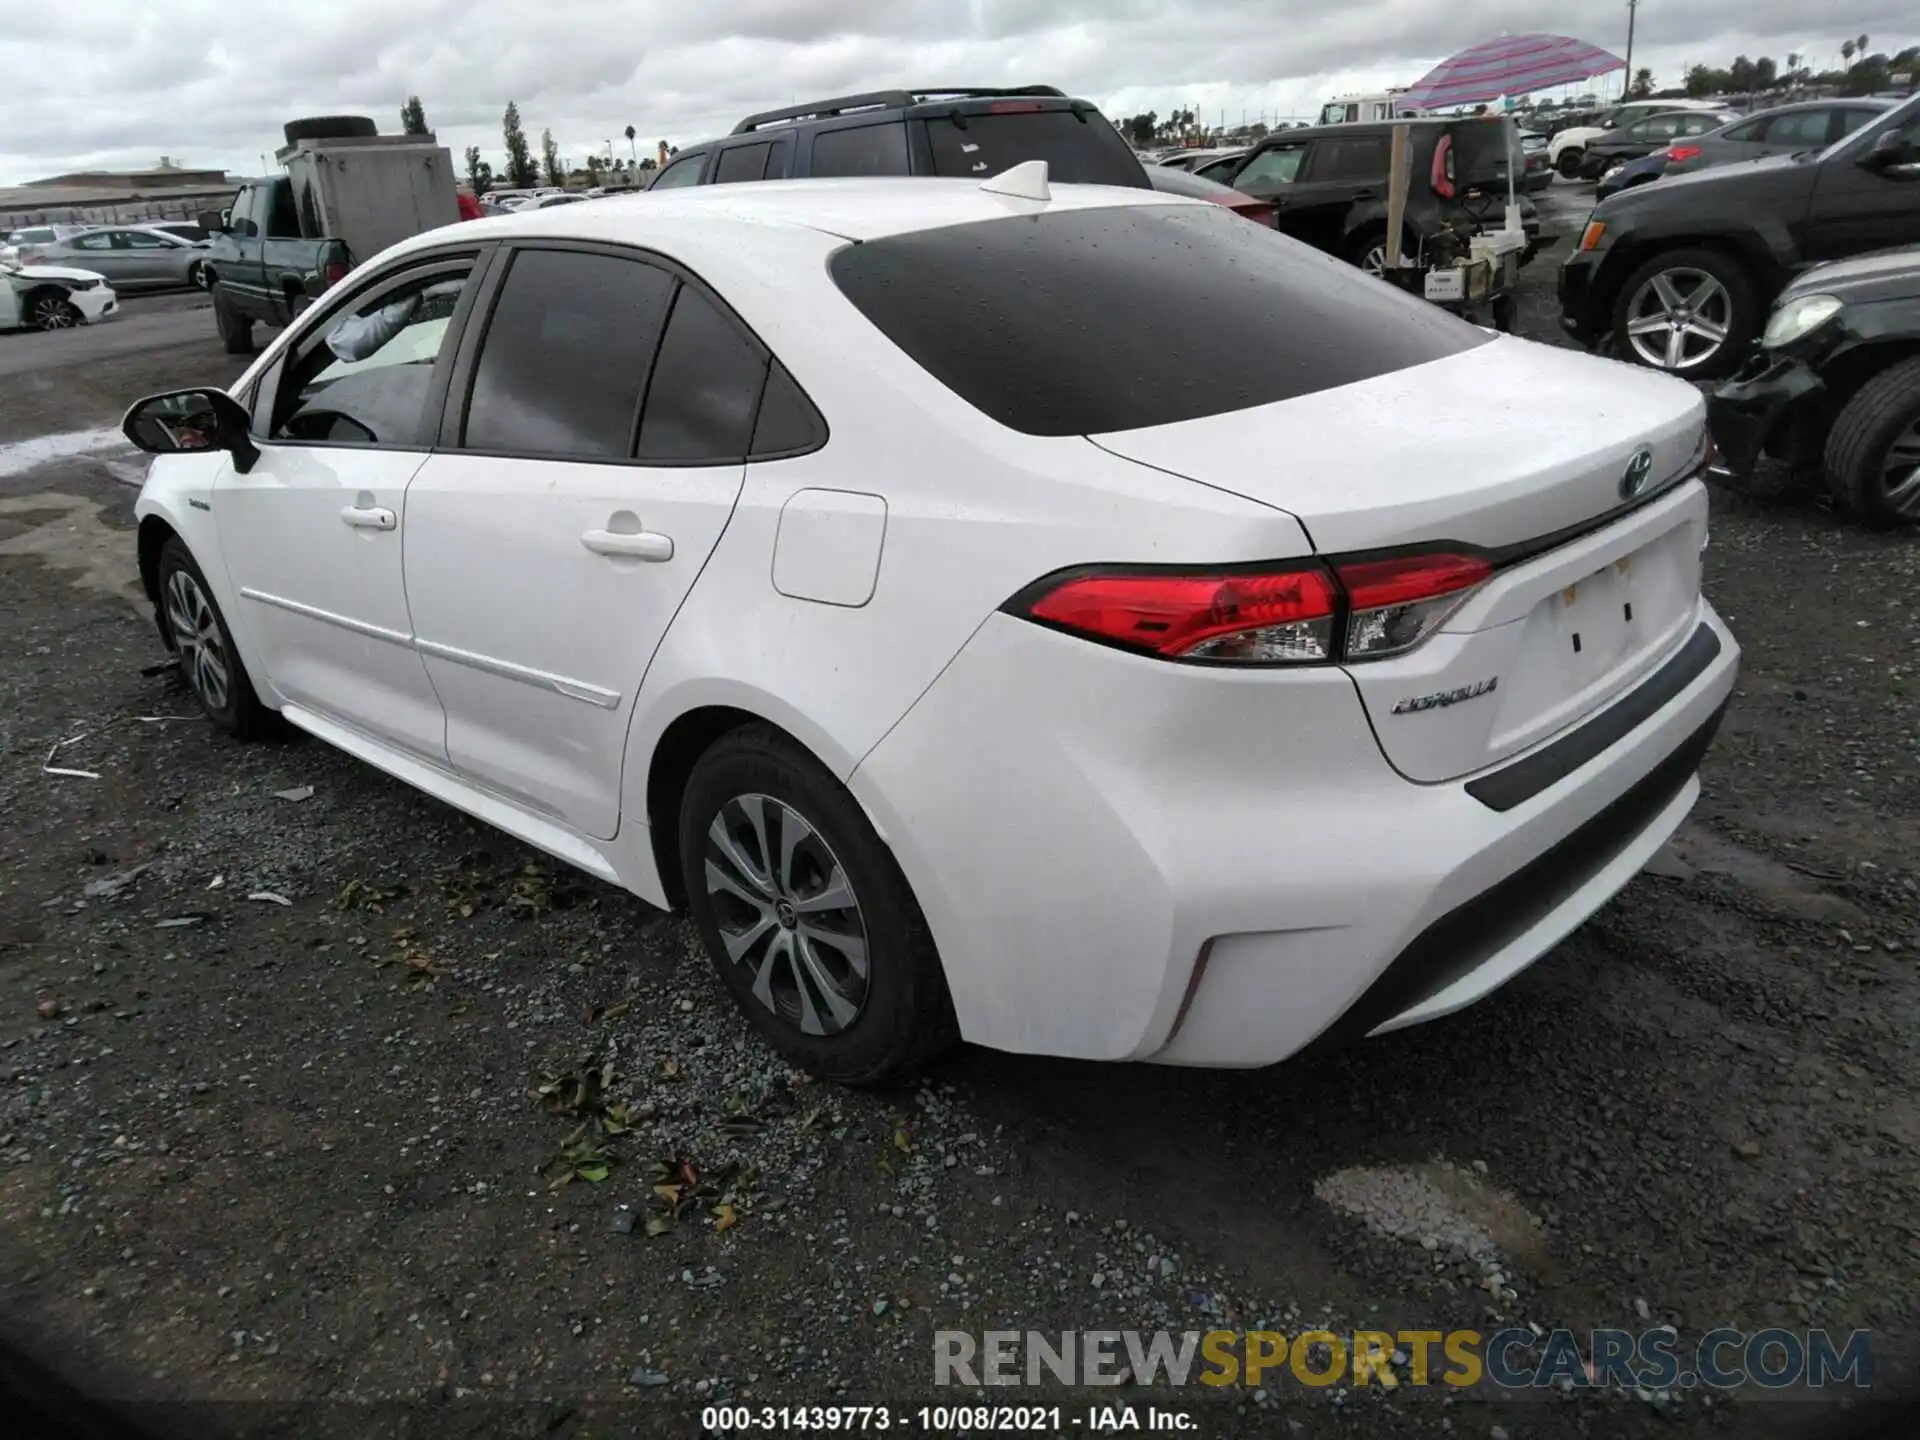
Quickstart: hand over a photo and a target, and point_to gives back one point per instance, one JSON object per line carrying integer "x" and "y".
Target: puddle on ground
{"x": 19, "y": 456}
{"x": 66, "y": 532}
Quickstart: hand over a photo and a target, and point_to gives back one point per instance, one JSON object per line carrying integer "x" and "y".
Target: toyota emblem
{"x": 1634, "y": 479}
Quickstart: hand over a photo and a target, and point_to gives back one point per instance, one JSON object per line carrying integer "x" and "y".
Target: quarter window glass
{"x": 862, "y": 150}
{"x": 706, "y": 387}
{"x": 1271, "y": 167}
{"x": 741, "y": 162}
{"x": 566, "y": 356}
{"x": 368, "y": 380}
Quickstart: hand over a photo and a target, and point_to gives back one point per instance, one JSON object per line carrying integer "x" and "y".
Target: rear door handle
{"x": 369, "y": 517}
{"x": 644, "y": 545}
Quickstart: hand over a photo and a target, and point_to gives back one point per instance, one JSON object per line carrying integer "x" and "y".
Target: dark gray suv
{"x": 916, "y": 132}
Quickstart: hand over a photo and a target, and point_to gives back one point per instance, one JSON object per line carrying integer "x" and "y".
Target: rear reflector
{"x": 1295, "y": 615}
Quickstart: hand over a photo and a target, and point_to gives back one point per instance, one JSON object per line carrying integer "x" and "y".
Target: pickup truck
{"x": 259, "y": 267}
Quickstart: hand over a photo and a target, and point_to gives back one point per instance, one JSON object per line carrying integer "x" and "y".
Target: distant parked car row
{"x": 1809, "y": 125}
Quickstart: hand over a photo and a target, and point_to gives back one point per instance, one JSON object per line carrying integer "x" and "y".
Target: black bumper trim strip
{"x": 1466, "y": 936}
{"x": 1549, "y": 765}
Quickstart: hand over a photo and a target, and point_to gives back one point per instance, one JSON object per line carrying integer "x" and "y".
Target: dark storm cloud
{"x": 120, "y": 82}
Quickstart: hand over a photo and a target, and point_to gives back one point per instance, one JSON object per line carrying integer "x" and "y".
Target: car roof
{"x": 850, "y": 209}
{"x": 1377, "y": 127}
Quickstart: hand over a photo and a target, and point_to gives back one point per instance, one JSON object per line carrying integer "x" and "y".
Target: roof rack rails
{"x": 966, "y": 93}
{"x": 885, "y": 100}
{"x": 824, "y": 109}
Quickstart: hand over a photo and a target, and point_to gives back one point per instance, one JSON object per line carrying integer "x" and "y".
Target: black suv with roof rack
{"x": 957, "y": 133}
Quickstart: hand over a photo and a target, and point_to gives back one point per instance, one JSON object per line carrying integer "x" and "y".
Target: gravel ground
{"x": 329, "y": 1111}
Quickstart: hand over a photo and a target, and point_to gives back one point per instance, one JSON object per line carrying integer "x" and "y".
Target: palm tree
{"x": 1860, "y": 47}
{"x": 1846, "y": 52}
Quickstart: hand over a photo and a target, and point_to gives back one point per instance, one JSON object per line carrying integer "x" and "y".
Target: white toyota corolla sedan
{"x": 1078, "y": 621}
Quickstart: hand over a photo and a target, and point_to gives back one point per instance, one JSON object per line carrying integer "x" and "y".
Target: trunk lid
{"x": 1516, "y": 451}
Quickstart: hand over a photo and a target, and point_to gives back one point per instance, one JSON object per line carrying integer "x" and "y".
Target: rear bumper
{"x": 1139, "y": 860}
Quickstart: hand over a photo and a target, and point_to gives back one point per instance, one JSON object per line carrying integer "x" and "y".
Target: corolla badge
{"x": 1639, "y": 470}
{"x": 1440, "y": 699}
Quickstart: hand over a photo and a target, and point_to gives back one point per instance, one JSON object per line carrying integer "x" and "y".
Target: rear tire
{"x": 770, "y": 844}
{"x": 236, "y": 331}
{"x": 197, "y": 276}
{"x": 209, "y": 660}
{"x": 1570, "y": 161}
{"x": 1872, "y": 459}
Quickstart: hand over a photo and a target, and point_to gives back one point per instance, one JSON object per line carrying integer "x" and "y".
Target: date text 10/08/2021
{"x": 947, "y": 1419}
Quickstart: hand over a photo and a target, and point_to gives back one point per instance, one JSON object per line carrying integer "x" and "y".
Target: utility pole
{"x": 1627, "y": 89}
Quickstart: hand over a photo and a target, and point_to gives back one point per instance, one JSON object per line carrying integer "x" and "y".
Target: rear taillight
{"x": 1259, "y": 214}
{"x": 1677, "y": 153}
{"x": 1392, "y": 605}
{"x": 1441, "y": 174}
{"x": 336, "y": 272}
{"x": 1014, "y": 107}
{"x": 1290, "y": 615}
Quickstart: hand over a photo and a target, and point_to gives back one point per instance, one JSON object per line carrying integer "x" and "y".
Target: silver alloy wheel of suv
{"x": 1678, "y": 320}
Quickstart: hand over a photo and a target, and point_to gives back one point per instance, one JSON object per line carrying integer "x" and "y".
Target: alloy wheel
{"x": 1374, "y": 262}
{"x": 53, "y": 313}
{"x": 785, "y": 908}
{"x": 197, "y": 641}
{"x": 1679, "y": 319}
{"x": 1900, "y": 473}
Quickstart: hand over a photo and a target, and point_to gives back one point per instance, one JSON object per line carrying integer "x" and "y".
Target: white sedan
{"x": 1069, "y": 618}
{"x": 53, "y": 297}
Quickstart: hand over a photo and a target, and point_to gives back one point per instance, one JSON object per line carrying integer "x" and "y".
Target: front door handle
{"x": 369, "y": 517}
{"x": 640, "y": 545}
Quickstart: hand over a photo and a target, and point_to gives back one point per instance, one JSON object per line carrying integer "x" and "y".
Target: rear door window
{"x": 1085, "y": 321}
{"x": 1358, "y": 157}
{"x": 1080, "y": 149}
{"x": 566, "y": 356}
{"x": 861, "y": 150}
{"x": 741, "y": 162}
{"x": 1804, "y": 130}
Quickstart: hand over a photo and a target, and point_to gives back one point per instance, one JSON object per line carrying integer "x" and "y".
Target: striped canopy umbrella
{"x": 1511, "y": 65}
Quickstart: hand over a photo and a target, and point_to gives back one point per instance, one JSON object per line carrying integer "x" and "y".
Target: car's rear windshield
{"x": 1079, "y": 148}
{"x": 1081, "y": 322}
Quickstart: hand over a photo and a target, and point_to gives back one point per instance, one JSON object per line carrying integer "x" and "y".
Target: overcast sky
{"x": 115, "y": 84}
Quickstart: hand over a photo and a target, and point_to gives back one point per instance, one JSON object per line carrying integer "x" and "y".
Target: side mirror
{"x": 183, "y": 421}
{"x": 212, "y": 221}
{"x": 1892, "y": 154}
